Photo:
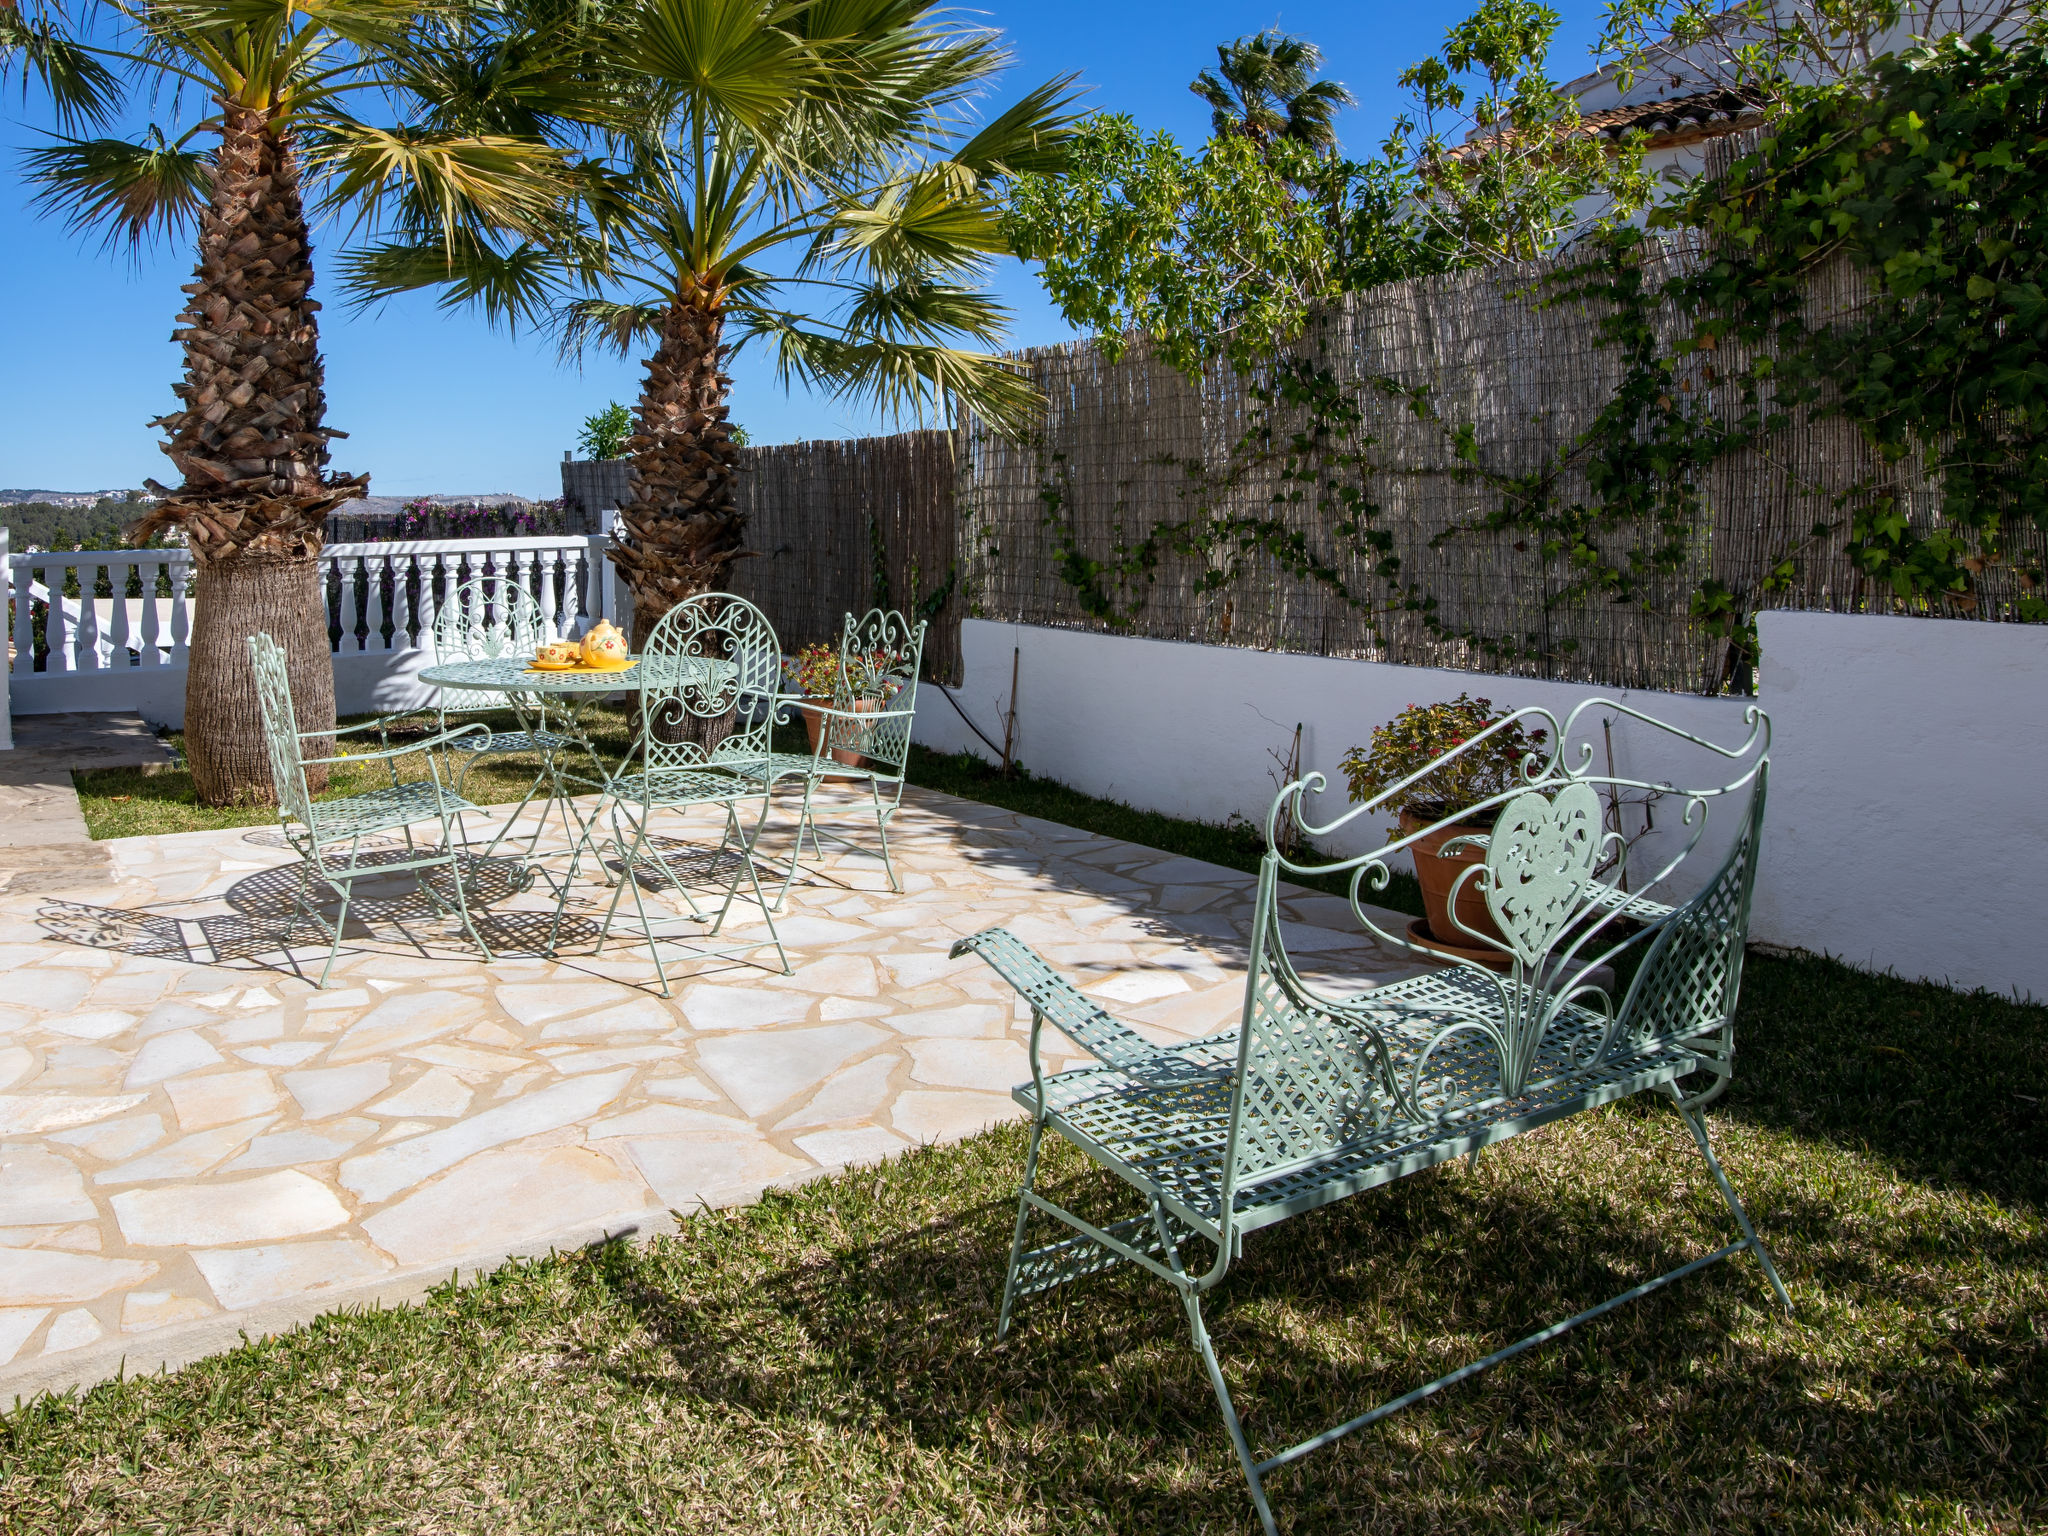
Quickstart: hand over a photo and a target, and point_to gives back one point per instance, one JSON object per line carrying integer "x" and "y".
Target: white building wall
{"x": 1906, "y": 821}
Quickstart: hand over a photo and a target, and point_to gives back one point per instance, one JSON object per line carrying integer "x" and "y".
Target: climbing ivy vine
{"x": 1930, "y": 175}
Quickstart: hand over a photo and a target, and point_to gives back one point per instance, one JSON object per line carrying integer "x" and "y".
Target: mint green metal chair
{"x": 711, "y": 665}
{"x": 874, "y": 704}
{"x": 328, "y": 834}
{"x": 1312, "y": 1098}
{"x": 485, "y": 618}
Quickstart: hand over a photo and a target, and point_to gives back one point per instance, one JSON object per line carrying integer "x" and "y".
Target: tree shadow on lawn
{"x": 1701, "y": 1407}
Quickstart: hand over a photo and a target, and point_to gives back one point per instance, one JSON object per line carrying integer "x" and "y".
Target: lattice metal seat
{"x": 1312, "y": 1097}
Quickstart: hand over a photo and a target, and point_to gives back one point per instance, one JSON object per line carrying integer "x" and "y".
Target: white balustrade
{"x": 383, "y": 598}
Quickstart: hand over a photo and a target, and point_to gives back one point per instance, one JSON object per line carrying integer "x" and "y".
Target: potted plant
{"x": 1407, "y": 744}
{"x": 813, "y": 674}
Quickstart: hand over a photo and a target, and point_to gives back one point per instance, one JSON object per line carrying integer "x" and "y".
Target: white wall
{"x": 1889, "y": 736}
{"x": 1908, "y": 820}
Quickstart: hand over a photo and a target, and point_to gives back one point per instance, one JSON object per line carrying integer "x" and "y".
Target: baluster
{"x": 520, "y": 565}
{"x": 419, "y": 595}
{"x": 117, "y": 588}
{"x": 152, "y": 623}
{"x": 181, "y": 610}
{"x": 85, "y": 644}
{"x": 374, "y": 568}
{"x": 56, "y": 629}
{"x": 24, "y": 617}
{"x": 549, "y": 562}
{"x": 443, "y": 585}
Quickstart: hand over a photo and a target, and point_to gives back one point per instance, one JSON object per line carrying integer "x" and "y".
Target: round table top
{"x": 510, "y": 674}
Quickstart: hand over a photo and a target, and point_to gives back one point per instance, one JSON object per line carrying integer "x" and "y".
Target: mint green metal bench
{"x": 1313, "y": 1098}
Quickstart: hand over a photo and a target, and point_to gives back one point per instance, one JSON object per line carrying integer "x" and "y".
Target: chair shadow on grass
{"x": 1670, "y": 1409}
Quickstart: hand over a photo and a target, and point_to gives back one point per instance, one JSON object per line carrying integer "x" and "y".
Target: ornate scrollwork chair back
{"x": 712, "y": 658}
{"x": 880, "y": 654}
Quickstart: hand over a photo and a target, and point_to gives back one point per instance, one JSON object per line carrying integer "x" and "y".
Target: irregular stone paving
{"x": 44, "y": 844}
{"x": 194, "y": 1142}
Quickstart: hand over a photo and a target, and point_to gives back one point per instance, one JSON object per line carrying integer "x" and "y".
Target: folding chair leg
{"x": 882, "y": 831}
{"x": 1696, "y": 1122}
{"x": 462, "y": 905}
{"x": 796, "y": 852}
{"x": 627, "y": 877}
{"x": 1192, "y": 1301}
{"x": 348, "y": 891}
{"x": 734, "y": 831}
{"x": 1017, "y": 1241}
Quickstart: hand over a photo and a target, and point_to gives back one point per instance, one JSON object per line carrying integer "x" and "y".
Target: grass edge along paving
{"x": 823, "y": 1361}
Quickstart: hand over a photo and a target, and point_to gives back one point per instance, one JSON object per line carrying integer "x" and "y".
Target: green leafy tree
{"x": 1264, "y": 88}
{"x": 1207, "y": 255}
{"x": 263, "y": 100}
{"x": 604, "y": 435}
{"x": 1504, "y": 169}
{"x": 1767, "y": 50}
{"x": 803, "y": 175}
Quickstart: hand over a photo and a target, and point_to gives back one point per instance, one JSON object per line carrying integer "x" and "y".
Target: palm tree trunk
{"x": 251, "y": 448}
{"x": 682, "y": 530}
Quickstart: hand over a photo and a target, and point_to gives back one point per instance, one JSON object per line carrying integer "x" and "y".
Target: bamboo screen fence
{"x": 1129, "y": 446}
{"x": 841, "y": 527}
{"x": 1494, "y": 361}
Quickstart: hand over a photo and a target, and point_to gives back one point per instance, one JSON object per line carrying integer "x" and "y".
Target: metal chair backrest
{"x": 483, "y": 619}
{"x": 1314, "y": 1075}
{"x": 713, "y": 657}
{"x": 280, "y": 729}
{"x": 880, "y": 654}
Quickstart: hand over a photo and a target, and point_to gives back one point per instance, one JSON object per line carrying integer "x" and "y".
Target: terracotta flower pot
{"x": 1437, "y": 872}
{"x": 814, "y": 723}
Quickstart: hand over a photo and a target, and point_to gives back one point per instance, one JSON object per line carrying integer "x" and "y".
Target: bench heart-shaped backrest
{"x": 1538, "y": 864}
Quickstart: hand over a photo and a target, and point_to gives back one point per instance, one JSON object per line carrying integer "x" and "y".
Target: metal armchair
{"x": 328, "y": 834}
{"x": 712, "y": 664}
{"x": 874, "y": 703}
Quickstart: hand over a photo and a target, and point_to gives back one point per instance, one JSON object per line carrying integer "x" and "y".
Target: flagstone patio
{"x": 194, "y": 1143}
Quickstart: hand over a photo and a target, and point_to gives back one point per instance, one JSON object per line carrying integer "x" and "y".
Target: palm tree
{"x": 264, "y": 89}
{"x": 1264, "y": 88}
{"x": 799, "y": 174}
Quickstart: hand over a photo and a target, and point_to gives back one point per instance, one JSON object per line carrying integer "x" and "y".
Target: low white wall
{"x": 1889, "y": 736}
{"x": 1908, "y": 819}
{"x": 365, "y": 682}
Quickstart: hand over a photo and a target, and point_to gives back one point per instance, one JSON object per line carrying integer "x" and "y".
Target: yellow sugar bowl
{"x": 604, "y": 645}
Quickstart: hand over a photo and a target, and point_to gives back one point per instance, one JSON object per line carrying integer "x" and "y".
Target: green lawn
{"x": 822, "y": 1362}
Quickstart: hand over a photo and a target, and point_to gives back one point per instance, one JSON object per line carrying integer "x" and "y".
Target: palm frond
{"x": 1030, "y": 137}
{"x": 131, "y": 192}
{"x": 926, "y": 312}
{"x": 900, "y": 380}
{"x": 446, "y": 181}
{"x": 610, "y": 325}
{"x": 923, "y": 223}
{"x": 84, "y": 91}
{"x": 520, "y": 284}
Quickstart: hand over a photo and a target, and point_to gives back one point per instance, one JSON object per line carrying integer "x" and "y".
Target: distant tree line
{"x": 44, "y": 525}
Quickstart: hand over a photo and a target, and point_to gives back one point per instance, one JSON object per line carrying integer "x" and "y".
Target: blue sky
{"x": 434, "y": 402}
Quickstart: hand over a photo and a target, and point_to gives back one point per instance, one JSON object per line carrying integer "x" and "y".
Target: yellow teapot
{"x": 604, "y": 645}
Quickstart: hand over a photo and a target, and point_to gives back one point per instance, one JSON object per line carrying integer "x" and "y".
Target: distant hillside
{"x": 60, "y": 498}
{"x": 55, "y": 525}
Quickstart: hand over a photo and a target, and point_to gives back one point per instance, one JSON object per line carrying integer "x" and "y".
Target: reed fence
{"x": 839, "y": 527}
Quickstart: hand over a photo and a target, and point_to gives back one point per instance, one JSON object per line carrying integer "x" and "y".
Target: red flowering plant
{"x": 1419, "y": 735}
{"x": 813, "y": 672}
